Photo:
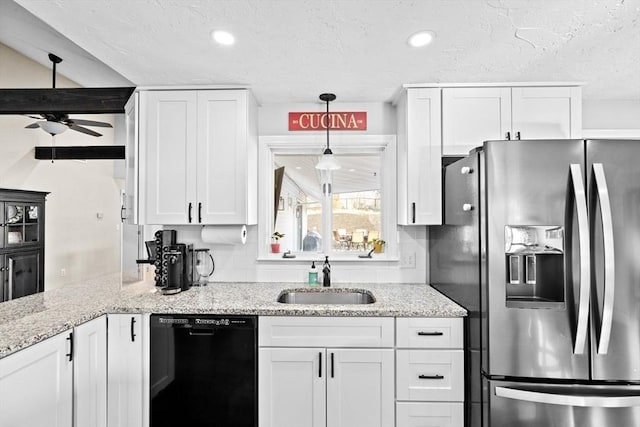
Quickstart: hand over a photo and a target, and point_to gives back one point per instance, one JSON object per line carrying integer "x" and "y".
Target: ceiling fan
{"x": 57, "y": 122}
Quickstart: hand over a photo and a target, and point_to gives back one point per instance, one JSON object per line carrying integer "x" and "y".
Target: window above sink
{"x": 338, "y": 213}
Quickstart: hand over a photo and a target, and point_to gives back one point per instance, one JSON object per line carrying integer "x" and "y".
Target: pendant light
{"x": 327, "y": 161}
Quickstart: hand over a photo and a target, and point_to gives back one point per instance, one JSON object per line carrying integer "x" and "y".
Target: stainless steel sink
{"x": 326, "y": 296}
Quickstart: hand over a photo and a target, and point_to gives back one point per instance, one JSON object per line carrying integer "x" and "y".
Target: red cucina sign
{"x": 356, "y": 120}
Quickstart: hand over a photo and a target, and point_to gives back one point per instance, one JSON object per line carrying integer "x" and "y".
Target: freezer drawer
{"x": 545, "y": 405}
{"x": 430, "y": 375}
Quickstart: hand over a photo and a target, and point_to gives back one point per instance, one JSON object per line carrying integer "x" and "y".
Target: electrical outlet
{"x": 63, "y": 272}
{"x": 408, "y": 260}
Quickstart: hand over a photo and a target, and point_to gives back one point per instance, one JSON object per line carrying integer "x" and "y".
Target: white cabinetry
{"x": 198, "y": 157}
{"x": 127, "y": 370}
{"x": 36, "y": 385}
{"x": 419, "y": 157}
{"x": 90, "y": 374}
{"x": 472, "y": 115}
{"x": 130, "y": 207}
{"x": 429, "y": 372}
{"x": 314, "y": 372}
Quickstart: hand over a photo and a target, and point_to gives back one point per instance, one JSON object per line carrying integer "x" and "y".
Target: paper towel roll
{"x": 224, "y": 234}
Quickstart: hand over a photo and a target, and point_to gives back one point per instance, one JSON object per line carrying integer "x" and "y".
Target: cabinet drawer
{"x": 325, "y": 331}
{"x": 430, "y": 375}
{"x": 419, "y": 414}
{"x": 420, "y": 332}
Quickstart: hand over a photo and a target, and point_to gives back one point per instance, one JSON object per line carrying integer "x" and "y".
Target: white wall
{"x": 75, "y": 238}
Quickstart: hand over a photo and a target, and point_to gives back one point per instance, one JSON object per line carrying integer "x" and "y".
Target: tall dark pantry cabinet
{"x": 21, "y": 243}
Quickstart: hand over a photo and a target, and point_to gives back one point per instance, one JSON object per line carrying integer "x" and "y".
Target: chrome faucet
{"x": 326, "y": 272}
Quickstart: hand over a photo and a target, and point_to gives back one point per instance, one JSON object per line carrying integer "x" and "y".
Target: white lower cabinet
{"x": 421, "y": 414}
{"x": 331, "y": 385}
{"x": 429, "y": 372}
{"x": 36, "y": 385}
{"x": 90, "y": 374}
{"x": 127, "y": 353}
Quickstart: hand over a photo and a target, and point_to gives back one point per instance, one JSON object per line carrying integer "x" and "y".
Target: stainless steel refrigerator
{"x": 541, "y": 243}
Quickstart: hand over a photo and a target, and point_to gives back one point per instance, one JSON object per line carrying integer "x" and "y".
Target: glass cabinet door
{"x": 21, "y": 223}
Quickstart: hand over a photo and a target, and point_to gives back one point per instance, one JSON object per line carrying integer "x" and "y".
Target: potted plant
{"x": 275, "y": 245}
{"x": 378, "y": 245}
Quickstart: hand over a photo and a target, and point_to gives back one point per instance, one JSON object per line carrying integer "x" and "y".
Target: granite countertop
{"x": 29, "y": 320}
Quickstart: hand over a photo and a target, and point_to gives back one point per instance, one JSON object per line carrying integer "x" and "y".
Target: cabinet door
{"x": 471, "y": 116}
{"x": 292, "y": 387}
{"x": 90, "y": 374}
{"x": 547, "y": 112}
{"x": 130, "y": 205}
{"x": 23, "y": 273}
{"x": 36, "y": 385}
{"x": 168, "y": 133}
{"x": 360, "y": 387}
{"x": 419, "y": 158}
{"x": 224, "y": 156}
{"x": 125, "y": 377}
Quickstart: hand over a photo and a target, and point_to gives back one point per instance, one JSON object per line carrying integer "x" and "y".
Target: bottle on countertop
{"x": 313, "y": 274}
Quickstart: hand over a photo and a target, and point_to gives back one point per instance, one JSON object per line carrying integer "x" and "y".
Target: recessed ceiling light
{"x": 352, "y": 170}
{"x": 223, "y": 37}
{"x": 421, "y": 38}
{"x": 298, "y": 167}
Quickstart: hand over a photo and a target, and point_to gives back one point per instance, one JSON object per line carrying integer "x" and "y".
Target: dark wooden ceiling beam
{"x": 99, "y": 100}
{"x": 93, "y": 152}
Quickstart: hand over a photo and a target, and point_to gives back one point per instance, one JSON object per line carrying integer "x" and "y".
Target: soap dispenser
{"x": 313, "y": 274}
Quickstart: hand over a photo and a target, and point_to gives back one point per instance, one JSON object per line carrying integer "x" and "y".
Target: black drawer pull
{"x": 331, "y": 365}
{"x": 320, "y": 365}
{"x": 431, "y": 377}
{"x": 430, "y": 334}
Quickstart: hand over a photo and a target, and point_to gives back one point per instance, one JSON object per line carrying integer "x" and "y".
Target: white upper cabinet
{"x": 472, "y": 115}
{"x": 419, "y": 157}
{"x": 198, "y": 157}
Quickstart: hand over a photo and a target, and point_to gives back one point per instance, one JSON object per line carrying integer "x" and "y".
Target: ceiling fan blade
{"x": 83, "y": 130}
{"x": 38, "y": 117}
{"x": 33, "y": 125}
{"x": 89, "y": 123}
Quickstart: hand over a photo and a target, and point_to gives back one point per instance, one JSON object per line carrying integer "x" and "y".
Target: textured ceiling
{"x": 292, "y": 50}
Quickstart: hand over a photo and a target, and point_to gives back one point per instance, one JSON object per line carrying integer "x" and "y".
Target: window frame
{"x": 385, "y": 145}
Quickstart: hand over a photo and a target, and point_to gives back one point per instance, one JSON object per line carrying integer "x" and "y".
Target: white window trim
{"x": 340, "y": 144}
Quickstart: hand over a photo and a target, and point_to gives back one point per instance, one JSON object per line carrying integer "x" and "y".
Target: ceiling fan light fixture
{"x": 327, "y": 161}
{"x": 53, "y": 128}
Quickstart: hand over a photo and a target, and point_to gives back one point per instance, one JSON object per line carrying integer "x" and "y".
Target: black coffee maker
{"x": 173, "y": 262}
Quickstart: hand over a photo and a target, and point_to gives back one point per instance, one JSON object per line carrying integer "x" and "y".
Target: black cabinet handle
{"x": 507, "y": 136}
{"x": 518, "y": 136}
{"x": 70, "y": 339}
{"x": 431, "y": 377}
{"x": 199, "y": 212}
{"x": 190, "y": 212}
{"x": 123, "y": 215}
{"x": 320, "y": 365}
{"x": 413, "y": 212}
{"x": 332, "y": 364}
{"x": 133, "y": 335}
{"x": 430, "y": 334}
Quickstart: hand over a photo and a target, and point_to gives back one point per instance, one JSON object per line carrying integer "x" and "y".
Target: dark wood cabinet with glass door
{"x": 21, "y": 243}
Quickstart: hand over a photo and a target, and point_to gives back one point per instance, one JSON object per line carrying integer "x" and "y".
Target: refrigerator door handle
{"x": 583, "y": 401}
{"x": 580, "y": 197}
{"x": 609, "y": 257}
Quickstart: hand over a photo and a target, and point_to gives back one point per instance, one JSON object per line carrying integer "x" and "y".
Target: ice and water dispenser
{"x": 534, "y": 262}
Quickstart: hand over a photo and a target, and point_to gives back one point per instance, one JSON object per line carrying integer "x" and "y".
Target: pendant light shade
{"x": 327, "y": 161}
{"x": 51, "y": 127}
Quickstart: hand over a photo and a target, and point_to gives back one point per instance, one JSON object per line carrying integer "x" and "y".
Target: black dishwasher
{"x": 203, "y": 371}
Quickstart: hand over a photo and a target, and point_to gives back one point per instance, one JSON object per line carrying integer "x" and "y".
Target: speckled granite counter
{"x": 26, "y": 321}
